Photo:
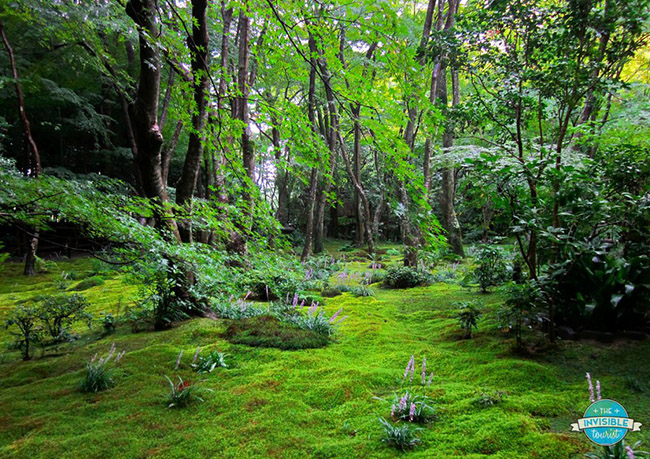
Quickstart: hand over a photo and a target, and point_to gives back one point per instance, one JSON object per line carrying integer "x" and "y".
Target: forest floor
{"x": 310, "y": 403}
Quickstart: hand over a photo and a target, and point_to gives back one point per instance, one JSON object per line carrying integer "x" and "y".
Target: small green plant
{"x": 25, "y": 318}
{"x": 139, "y": 319}
{"x": 487, "y": 399}
{"x": 98, "y": 376}
{"x": 214, "y": 359}
{"x": 181, "y": 393}
{"x": 406, "y": 277}
{"x": 523, "y": 309}
{"x": 619, "y": 451}
{"x": 468, "y": 316}
{"x": 393, "y": 252}
{"x": 491, "y": 268}
{"x": 403, "y": 436}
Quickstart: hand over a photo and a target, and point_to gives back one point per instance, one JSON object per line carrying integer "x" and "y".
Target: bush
{"x": 89, "y": 283}
{"x": 25, "y": 319}
{"x": 59, "y": 312}
{"x": 406, "y": 277}
{"x": 491, "y": 268}
{"x": 269, "y": 331}
{"x": 525, "y": 307}
{"x": 402, "y": 437}
{"x": 468, "y": 316}
{"x": 109, "y": 323}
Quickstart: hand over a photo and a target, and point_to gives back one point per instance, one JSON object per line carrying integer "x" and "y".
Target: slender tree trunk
{"x": 32, "y": 164}
{"x": 198, "y": 46}
{"x": 313, "y": 177}
{"x": 248, "y": 155}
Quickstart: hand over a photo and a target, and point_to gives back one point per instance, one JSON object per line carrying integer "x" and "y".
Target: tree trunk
{"x": 32, "y": 163}
{"x": 143, "y": 112}
{"x": 313, "y": 177}
{"x": 198, "y": 47}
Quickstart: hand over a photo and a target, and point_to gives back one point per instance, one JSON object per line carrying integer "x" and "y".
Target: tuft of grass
{"x": 269, "y": 331}
{"x": 401, "y": 436}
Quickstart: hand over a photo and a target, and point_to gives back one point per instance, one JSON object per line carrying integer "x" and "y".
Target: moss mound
{"x": 88, "y": 283}
{"x": 268, "y": 331}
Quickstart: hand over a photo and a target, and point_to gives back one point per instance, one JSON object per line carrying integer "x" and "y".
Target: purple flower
{"x": 402, "y": 402}
{"x": 295, "y": 300}
{"x": 424, "y": 370}
{"x": 412, "y": 412}
{"x": 408, "y": 366}
{"x": 247, "y": 295}
{"x": 302, "y": 303}
{"x": 336, "y": 314}
{"x": 430, "y": 379}
{"x": 392, "y": 411}
{"x": 598, "y": 389}
{"x": 266, "y": 287}
{"x": 313, "y": 308}
{"x": 629, "y": 452}
{"x": 591, "y": 388}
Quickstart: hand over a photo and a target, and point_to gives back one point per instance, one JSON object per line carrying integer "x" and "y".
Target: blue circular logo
{"x": 605, "y": 422}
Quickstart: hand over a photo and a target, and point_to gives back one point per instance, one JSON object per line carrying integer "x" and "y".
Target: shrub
{"x": 109, "y": 323}
{"x": 269, "y": 331}
{"x": 98, "y": 376}
{"x": 524, "y": 307}
{"x": 468, "y": 316}
{"x": 89, "y": 283}
{"x": 406, "y": 277}
{"x": 491, "y": 268}
{"x": 402, "y": 437}
{"x": 413, "y": 408}
{"x": 181, "y": 394}
{"x": 393, "y": 252}
{"x": 214, "y": 359}
{"x": 139, "y": 319}
{"x": 25, "y": 319}
{"x": 59, "y": 312}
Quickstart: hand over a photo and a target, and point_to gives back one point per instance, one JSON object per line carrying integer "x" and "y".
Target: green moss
{"x": 90, "y": 282}
{"x": 318, "y": 402}
{"x": 268, "y": 331}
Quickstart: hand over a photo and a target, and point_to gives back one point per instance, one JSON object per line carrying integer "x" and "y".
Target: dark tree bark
{"x": 143, "y": 111}
{"x": 313, "y": 176}
{"x": 32, "y": 163}
{"x": 198, "y": 46}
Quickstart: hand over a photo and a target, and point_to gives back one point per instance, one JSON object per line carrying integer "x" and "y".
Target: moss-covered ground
{"x": 309, "y": 403}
